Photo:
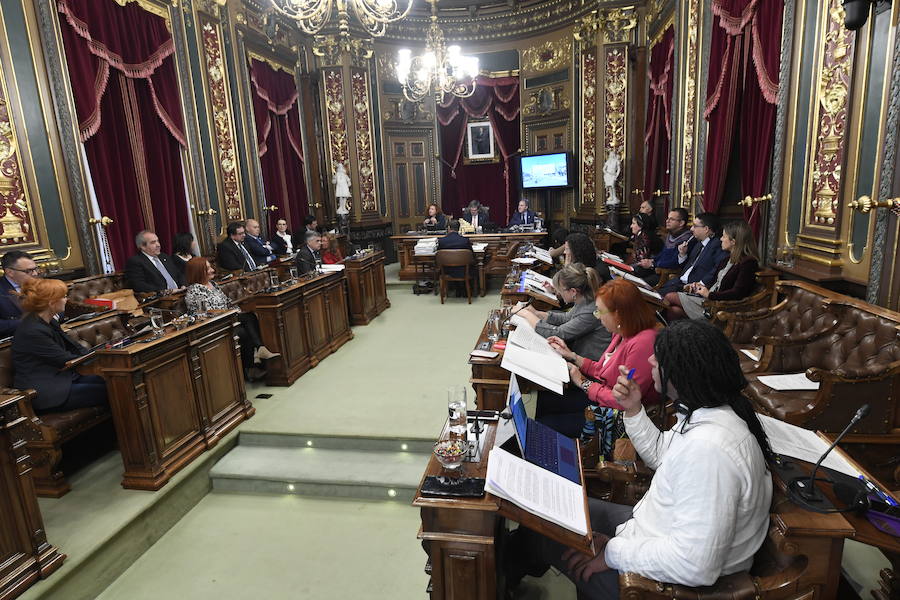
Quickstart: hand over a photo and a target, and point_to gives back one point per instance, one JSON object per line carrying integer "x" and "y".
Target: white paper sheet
{"x": 524, "y": 261}
{"x": 542, "y": 255}
{"x": 751, "y": 354}
{"x": 790, "y": 382}
{"x": 536, "y": 490}
{"x": 803, "y": 444}
{"x": 543, "y": 369}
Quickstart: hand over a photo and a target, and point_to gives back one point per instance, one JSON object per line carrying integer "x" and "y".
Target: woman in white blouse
{"x": 282, "y": 243}
{"x": 202, "y": 290}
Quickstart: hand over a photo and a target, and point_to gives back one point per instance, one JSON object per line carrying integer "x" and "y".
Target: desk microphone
{"x": 805, "y": 487}
{"x": 515, "y": 312}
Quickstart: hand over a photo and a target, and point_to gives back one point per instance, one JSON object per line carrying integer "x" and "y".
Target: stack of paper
{"x": 789, "y": 382}
{"x": 612, "y": 256}
{"x": 479, "y": 247}
{"x": 529, "y": 354}
{"x": 525, "y": 261}
{"x": 541, "y": 254}
{"x": 619, "y": 273}
{"x": 332, "y": 268}
{"x": 426, "y": 246}
{"x": 537, "y": 490}
{"x": 802, "y": 444}
{"x": 534, "y": 282}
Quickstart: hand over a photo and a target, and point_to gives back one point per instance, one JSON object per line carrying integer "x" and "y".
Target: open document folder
{"x": 529, "y": 354}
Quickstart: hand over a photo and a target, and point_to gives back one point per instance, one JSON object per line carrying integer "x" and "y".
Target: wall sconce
{"x": 866, "y": 204}
{"x": 749, "y": 201}
{"x": 659, "y": 193}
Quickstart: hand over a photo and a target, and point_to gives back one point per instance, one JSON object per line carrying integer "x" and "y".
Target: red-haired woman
{"x": 198, "y": 276}
{"x": 632, "y": 322}
{"x": 435, "y": 218}
{"x": 41, "y": 349}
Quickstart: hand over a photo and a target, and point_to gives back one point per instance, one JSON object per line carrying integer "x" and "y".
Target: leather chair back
{"x": 804, "y": 312}
{"x": 91, "y": 287}
{"x": 234, "y": 289}
{"x": 256, "y": 281}
{"x": 102, "y": 331}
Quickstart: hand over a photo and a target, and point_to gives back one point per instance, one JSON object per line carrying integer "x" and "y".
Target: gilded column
{"x": 619, "y": 27}
{"x": 586, "y": 33}
{"x": 819, "y": 240}
{"x": 218, "y": 104}
{"x": 690, "y": 179}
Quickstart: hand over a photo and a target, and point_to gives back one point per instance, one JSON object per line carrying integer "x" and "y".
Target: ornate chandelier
{"x": 373, "y": 15}
{"x": 441, "y": 69}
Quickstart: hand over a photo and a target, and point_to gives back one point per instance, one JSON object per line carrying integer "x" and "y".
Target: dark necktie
{"x": 250, "y": 264}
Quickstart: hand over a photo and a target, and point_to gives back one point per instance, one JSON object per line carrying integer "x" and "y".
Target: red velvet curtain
{"x": 658, "y": 135}
{"x": 745, "y": 53}
{"x": 279, "y": 145}
{"x": 125, "y": 89}
{"x": 492, "y": 184}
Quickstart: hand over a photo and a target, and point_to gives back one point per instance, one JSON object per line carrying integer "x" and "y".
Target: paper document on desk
{"x": 480, "y": 247}
{"x": 524, "y": 336}
{"x": 752, "y": 354}
{"x": 615, "y": 257}
{"x": 537, "y": 490}
{"x": 547, "y": 371}
{"x": 332, "y": 268}
{"x": 518, "y": 321}
{"x": 539, "y": 290}
{"x": 541, "y": 254}
{"x": 619, "y": 273}
{"x": 650, "y": 293}
{"x": 537, "y": 277}
{"x": 803, "y": 444}
{"x": 791, "y": 382}
{"x": 524, "y": 261}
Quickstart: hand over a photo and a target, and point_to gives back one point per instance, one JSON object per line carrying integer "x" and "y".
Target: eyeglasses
{"x": 32, "y": 270}
{"x": 600, "y": 312}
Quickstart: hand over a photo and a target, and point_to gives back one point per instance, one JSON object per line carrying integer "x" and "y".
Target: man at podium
{"x": 707, "y": 510}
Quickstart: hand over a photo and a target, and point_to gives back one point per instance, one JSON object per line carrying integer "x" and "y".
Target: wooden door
{"x": 220, "y": 370}
{"x": 411, "y": 183}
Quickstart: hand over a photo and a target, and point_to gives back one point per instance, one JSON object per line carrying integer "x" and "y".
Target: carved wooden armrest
{"x": 665, "y": 275}
{"x": 855, "y": 375}
{"x": 737, "y": 586}
{"x": 753, "y": 315}
{"x": 795, "y": 339}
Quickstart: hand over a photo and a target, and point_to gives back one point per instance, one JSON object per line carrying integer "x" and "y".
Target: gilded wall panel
{"x": 831, "y": 120}
{"x": 547, "y": 56}
{"x": 362, "y": 128}
{"x": 16, "y": 224}
{"x": 690, "y": 106}
{"x": 221, "y": 117}
{"x": 589, "y": 126}
{"x": 616, "y": 95}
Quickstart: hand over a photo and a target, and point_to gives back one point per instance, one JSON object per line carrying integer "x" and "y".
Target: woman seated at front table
{"x": 331, "y": 252}
{"x": 435, "y": 218}
{"x": 577, "y": 327}
{"x": 40, "y": 351}
{"x": 736, "y": 279}
{"x": 201, "y": 289}
{"x": 632, "y": 322}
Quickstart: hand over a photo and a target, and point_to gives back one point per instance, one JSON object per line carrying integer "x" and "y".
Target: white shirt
{"x": 287, "y": 240}
{"x": 681, "y": 259}
{"x": 707, "y": 510}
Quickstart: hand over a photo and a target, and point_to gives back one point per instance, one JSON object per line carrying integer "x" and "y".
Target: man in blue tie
{"x": 701, "y": 262}
{"x": 523, "y": 216}
{"x": 259, "y": 249}
{"x": 150, "y": 270}
{"x": 232, "y": 254}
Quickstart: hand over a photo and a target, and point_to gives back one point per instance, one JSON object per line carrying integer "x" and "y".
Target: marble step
{"x": 335, "y": 442}
{"x": 323, "y": 472}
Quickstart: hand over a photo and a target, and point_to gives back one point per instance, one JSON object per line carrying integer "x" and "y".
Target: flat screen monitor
{"x": 544, "y": 171}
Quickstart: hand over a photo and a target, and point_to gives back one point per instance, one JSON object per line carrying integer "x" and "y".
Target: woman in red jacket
{"x": 622, "y": 310}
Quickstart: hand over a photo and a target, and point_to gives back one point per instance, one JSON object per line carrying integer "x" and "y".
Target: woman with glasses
{"x": 633, "y": 325}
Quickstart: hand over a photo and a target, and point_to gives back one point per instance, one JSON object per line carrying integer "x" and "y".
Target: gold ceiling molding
{"x": 330, "y": 48}
{"x": 531, "y": 20}
{"x": 549, "y": 56}
{"x": 586, "y": 27}
{"x": 160, "y": 10}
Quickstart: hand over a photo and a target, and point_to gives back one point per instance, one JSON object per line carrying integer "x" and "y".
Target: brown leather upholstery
{"x": 70, "y": 423}
{"x": 235, "y": 289}
{"x": 102, "y": 331}
{"x": 91, "y": 287}
{"x": 256, "y": 281}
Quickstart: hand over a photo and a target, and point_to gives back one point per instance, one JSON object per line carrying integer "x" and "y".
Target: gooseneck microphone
{"x": 515, "y": 312}
{"x": 805, "y": 487}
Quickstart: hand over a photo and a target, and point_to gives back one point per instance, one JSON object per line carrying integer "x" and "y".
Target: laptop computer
{"x": 539, "y": 444}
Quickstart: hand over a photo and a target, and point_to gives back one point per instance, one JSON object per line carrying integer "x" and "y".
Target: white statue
{"x": 611, "y": 170}
{"x": 341, "y": 189}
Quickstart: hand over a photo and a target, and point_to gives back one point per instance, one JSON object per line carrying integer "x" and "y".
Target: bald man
{"x": 259, "y": 249}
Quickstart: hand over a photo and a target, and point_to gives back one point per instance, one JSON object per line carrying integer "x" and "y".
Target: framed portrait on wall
{"x": 480, "y": 140}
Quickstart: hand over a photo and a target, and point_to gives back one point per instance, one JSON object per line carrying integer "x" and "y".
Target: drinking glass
{"x": 293, "y": 272}
{"x": 156, "y": 322}
{"x": 456, "y": 407}
{"x": 274, "y": 282}
{"x": 494, "y": 327}
{"x": 204, "y": 309}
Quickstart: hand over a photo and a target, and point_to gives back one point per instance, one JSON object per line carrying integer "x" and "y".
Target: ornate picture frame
{"x": 480, "y": 141}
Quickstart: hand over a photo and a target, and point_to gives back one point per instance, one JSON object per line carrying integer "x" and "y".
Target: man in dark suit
{"x": 18, "y": 267}
{"x": 231, "y": 252}
{"x": 308, "y": 255}
{"x": 476, "y": 216}
{"x": 701, "y": 262}
{"x": 259, "y": 249}
{"x": 150, "y": 270}
{"x": 454, "y": 241}
{"x": 523, "y": 216}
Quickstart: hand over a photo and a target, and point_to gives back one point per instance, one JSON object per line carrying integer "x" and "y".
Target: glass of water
{"x": 293, "y": 272}
{"x": 156, "y": 322}
{"x": 274, "y": 282}
{"x": 456, "y": 407}
{"x": 494, "y": 327}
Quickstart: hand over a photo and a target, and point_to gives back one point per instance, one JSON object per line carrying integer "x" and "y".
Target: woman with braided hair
{"x": 707, "y": 510}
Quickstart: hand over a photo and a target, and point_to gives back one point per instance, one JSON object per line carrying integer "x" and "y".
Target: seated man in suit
{"x": 308, "y": 255}
{"x": 523, "y": 216}
{"x": 150, "y": 270}
{"x": 677, "y": 232}
{"x": 474, "y": 216}
{"x": 17, "y": 269}
{"x": 454, "y": 241}
{"x": 311, "y": 223}
{"x": 232, "y": 254}
{"x": 701, "y": 264}
{"x": 259, "y": 249}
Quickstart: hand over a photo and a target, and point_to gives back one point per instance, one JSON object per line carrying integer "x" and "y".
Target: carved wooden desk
{"x": 304, "y": 322}
{"x": 25, "y": 554}
{"x": 461, "y": 535}
{"x": 489, "y": 380}
{"x": 501, "y": 249}
{"x": 366, "y": 287}
{"x": 175, "y": 397}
